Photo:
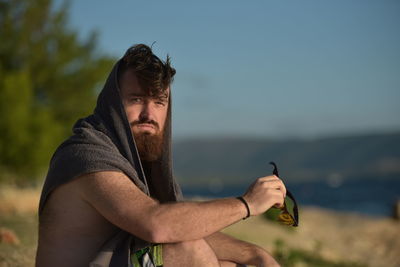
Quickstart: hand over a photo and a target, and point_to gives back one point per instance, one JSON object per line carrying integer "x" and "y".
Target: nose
{"x": 146, "y": 113}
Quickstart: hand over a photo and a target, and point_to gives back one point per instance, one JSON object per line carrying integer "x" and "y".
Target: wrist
{"x": 244, "y": 202}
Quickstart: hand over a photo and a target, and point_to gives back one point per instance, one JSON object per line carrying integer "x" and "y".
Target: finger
{"x": 275, "y": 184}
{"x": 280, "y": 203}
{"x": 284, "y": 190}
{"x": 268, "y": 178}
{"x": 278, "y": 199}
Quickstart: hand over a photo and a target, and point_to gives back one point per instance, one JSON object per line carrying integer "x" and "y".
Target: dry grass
{"x": 15, "y": 200}
{"x": 18, "y": 209}
{"x": 334, "y": 236}
{"x": 22, "y": 254}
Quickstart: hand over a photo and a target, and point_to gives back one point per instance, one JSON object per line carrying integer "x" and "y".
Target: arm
{"x": 231, "y": 249}
{"x": 117, "y": 199}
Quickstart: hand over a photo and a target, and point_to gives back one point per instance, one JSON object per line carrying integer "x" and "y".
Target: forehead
{"x": 129, "y": 85}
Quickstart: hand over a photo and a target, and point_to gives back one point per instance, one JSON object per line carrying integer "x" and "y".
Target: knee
{"x": 197, "y": 246}
{"x": 189, "y": 253}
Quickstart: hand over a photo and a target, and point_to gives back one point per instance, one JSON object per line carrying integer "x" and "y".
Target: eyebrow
{"x": 136, "y": 94}
{"x": 161, "y": 97}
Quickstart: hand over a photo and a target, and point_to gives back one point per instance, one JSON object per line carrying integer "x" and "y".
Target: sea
{"x": 372, "y": 197}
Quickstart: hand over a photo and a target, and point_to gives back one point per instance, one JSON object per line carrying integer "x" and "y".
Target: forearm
{"x": 194, "y": 220}
{"x": 231, "y": 249}
{"x": 123, "y": 204}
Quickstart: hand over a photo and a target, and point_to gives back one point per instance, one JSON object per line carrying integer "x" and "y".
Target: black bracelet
{"x": 247, "y": 207}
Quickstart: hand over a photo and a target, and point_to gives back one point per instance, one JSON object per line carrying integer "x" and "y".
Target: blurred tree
{"x": 48, "y": 79}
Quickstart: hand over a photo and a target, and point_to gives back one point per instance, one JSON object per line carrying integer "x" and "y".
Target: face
{"x": 146, "y": 115}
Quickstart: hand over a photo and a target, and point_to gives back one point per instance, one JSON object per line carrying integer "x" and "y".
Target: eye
{"x": 136, "y": 100}
{"x": 161, "y": 102}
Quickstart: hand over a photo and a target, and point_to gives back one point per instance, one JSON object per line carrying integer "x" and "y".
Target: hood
{"x": 158, "y": 176}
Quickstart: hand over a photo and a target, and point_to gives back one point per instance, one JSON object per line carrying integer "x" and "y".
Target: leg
{"x": 195, "y": 253}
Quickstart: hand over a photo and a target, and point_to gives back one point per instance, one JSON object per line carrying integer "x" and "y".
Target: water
{"x": 365, "y": 196}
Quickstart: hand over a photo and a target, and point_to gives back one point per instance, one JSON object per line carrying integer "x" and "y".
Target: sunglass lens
{"x": 285, "y": 215}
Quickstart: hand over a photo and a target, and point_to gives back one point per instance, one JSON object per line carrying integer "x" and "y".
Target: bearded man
{"x": 110, "y": 198}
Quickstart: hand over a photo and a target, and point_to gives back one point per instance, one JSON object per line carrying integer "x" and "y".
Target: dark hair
{"x": 154, "y": 75}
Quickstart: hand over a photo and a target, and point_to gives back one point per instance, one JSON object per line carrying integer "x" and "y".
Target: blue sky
{"x": 265, "y": 68}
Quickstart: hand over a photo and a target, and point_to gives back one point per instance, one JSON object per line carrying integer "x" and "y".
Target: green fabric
{"x": 154, "y": 252}
{"x": 157, "y": 255}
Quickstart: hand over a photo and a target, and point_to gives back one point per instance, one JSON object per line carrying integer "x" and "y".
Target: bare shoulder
{"x": 111, "y": 193}
{"x": 106, "y": 185}
{"x": 68, "y": 203}
{"x": 72, "y": 197}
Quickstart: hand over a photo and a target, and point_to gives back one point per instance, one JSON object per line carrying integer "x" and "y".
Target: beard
{"x": 149, "y": 146}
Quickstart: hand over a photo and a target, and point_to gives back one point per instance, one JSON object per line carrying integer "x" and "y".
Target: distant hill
{"x": 234, "y": 161}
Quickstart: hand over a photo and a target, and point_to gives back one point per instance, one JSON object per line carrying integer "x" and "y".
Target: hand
{"x": 264, "y": 193}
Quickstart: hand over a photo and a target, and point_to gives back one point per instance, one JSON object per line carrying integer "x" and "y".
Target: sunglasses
{"x": 289, "y": 213}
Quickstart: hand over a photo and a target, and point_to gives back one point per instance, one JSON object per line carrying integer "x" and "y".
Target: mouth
{"x": 145, "y": 126}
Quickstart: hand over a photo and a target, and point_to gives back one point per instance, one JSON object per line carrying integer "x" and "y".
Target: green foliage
{"x": 48, "y": 79}
{"x": 296, "y": 257}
